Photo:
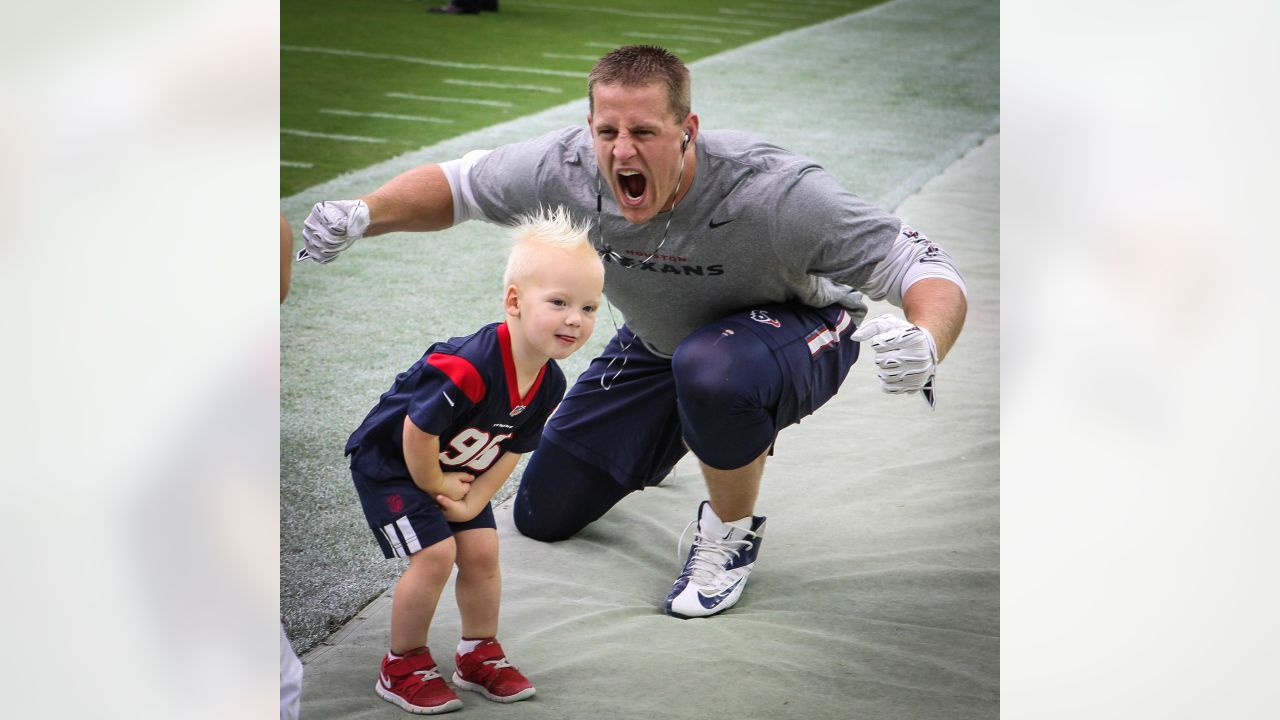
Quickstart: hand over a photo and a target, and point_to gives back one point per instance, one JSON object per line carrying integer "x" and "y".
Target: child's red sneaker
{"x": 413, "y": 683}
{"x": 485, "y": 670}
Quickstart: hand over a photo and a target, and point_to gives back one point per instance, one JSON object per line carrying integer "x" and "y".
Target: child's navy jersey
{"x": 465, "y": 392}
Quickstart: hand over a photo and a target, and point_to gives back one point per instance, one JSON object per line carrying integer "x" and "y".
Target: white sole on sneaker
{"x": 403, "y": 704}
{"x": 473, "y": 687}
{"x": 688, "y": 610}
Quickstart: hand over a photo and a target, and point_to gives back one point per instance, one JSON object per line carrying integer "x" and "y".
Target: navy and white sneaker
{"x": 720, "y": 559}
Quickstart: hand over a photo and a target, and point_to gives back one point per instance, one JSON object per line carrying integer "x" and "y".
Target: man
{"x": 741, "y": 270}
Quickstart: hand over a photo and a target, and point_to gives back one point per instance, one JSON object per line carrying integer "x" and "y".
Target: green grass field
{"x": 362, "y": 82}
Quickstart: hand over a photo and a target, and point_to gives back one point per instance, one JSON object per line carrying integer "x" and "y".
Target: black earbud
{"x": 684, "y": 144}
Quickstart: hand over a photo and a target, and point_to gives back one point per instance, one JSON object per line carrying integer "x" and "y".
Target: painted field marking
{"x": 822, "y": 3}
{"x": 710, "y": 29}
{"x": 328, "y": 136}
{"x": 771, "y": 6}
{"x": 385, "y": 116}
{"x": 291, "y": 163}
{"x": 614, "y": 46}
{"x": 428, "y": 61}
{"x": 655, "y": 36}
{"x": 760, "y": 13}
{"x": 562, "y": 56}
{"x": 461, "y": 101}
{"x": 632, "y": 13}
{"x": 505, "y": 86}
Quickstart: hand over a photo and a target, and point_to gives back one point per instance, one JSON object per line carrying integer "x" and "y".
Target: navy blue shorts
{"x": 728, "y": 389}
{"x": 405, "y": 519}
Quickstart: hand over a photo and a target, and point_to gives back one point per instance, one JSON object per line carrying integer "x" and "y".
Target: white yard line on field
{"x": 384, "y": 116}
{"x": 447, "y": 100}
{"x": 761, "y": 14}
{"x": 657, "y": 36}
{"x": 822, "y": 3}
{"x": 636, "y": 14}
{"x": 506, "y": 86}
{"x": 330, "y": 136}
{"x": 563, "y": 56}
{"x": 611, "y": 46}
{"x": 427, "y": 61}
{"x": 774, "y": 6}
{"x": 710, "y": 29}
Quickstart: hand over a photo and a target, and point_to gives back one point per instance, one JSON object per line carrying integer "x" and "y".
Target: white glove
{"x": 331, "y": 228}
{"x": 906, "y": 355}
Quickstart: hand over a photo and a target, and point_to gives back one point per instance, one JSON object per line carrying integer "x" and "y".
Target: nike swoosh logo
{"x": 710, "y": 602}
{"x": 715, "y": 224}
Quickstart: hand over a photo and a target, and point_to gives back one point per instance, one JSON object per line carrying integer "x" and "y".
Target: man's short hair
{"x": 547, "y": 228}
{"x": 639, "y": 65}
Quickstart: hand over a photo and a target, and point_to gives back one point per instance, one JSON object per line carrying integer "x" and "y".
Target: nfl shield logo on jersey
{"x": 517, "y": 410}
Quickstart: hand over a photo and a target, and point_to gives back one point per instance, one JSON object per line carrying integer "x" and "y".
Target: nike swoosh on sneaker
{"x": 382, "y": 677}
{"x": 714, "y": 600}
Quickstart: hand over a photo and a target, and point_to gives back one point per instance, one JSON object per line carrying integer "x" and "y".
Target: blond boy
{"x": 438, "y": 445}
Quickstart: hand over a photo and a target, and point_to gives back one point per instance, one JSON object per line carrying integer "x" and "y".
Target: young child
{"x": 444, "y": 438}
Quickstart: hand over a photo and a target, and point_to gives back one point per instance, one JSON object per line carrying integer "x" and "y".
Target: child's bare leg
{"x": 479, "y": 585}
{"x": 414, "y": 602}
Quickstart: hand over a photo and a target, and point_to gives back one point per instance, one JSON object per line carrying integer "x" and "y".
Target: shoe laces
{"x": 428, "y": 675}
{"x": 710, "y": 554}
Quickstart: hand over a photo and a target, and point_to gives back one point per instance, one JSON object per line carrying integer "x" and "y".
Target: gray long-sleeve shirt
{"x": 759, "y": 225}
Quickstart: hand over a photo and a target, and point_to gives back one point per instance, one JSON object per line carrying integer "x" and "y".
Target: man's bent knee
{"x": 728, "y": 384}
{"x": 560, "y": 494}
{"x": 537, "y": 525}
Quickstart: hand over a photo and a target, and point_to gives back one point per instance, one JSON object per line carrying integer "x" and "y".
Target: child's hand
{"x": 456, "y": 485}
{"x": 455, "y": 511}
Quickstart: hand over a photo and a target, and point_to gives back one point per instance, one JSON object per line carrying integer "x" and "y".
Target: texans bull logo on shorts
{"x": 761, "y": 316}
{"x": 395, "y": 503}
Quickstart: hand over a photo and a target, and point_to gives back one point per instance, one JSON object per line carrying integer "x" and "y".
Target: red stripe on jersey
{"x": 509, "y": 363}
{"x": 461, "y": 372}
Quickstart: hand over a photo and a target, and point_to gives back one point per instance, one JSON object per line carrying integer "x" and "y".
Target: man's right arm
{"x": 426, "y": 198}
{"x": 418, "y": 200}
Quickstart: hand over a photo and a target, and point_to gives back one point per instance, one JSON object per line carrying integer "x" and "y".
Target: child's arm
{"x": 482, "y": 489}
{"x": 422, "y": 456}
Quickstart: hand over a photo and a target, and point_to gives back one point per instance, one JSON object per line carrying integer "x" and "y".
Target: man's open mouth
{"x": 632, "y": 184}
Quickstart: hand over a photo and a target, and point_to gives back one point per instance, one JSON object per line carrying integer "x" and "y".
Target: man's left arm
{"x": 918, "y": 276}
{"x": 939, "y": 306}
